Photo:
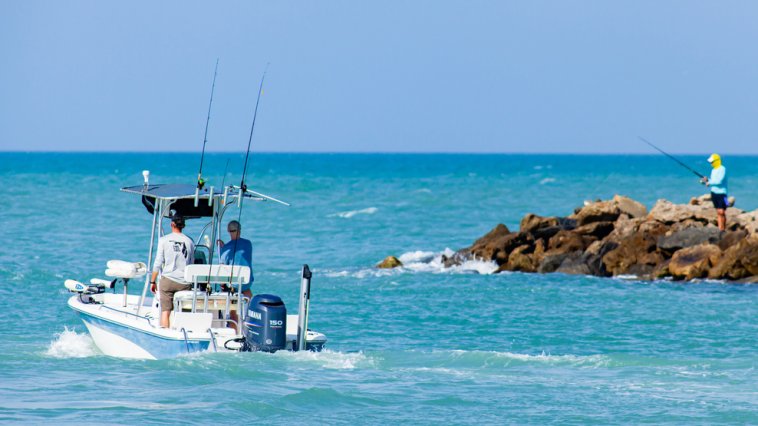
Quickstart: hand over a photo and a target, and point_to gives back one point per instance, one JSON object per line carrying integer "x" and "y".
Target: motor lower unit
{"x": 266, "y": 324}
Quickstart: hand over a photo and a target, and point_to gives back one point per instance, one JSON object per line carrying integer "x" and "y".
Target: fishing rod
{"x": 217, "y": 231}
{"x": 200, "y": 181}
{"x": 672, "y": 157}
{"x": 243, "y": 186}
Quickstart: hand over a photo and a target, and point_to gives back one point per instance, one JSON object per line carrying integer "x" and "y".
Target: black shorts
{"x": 719, "y": 201}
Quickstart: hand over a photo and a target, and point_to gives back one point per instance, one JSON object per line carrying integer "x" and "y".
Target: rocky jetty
{"x": 621, "y": 237}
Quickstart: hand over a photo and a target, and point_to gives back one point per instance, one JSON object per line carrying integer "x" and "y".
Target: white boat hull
{"x": 119, "y": 332}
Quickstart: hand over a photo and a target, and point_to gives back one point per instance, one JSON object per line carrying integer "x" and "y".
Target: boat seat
{"x": 214, "y": 301}
{"x": 192, "y": 322}
{"x": 122, "y": 269}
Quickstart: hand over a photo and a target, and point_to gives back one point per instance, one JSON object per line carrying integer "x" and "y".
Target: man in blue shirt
{"x": 719, "y": 186}
{"x": 238, "y": 251}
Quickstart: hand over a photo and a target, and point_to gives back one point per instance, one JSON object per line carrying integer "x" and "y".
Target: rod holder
{"x": 302, "y": 311}
{"x": 210, "y": 197}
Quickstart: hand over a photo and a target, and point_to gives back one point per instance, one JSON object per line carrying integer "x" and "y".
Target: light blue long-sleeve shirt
{"x": 718, "y": 182}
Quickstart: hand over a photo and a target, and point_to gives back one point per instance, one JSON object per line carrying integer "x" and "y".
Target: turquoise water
{"x": 420, "y": 344}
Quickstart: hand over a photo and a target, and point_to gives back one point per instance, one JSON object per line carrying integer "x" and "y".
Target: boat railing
{"x": 218, "y": 274}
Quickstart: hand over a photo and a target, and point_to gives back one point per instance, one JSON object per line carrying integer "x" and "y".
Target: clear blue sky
{"x": 382, "y": 76}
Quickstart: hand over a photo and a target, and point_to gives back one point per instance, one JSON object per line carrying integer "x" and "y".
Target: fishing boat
{"x": 127, "y": 325}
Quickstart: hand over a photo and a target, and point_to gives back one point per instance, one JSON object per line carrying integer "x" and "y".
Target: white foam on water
{"x": 626, "y": 277}
{"x": 70, "y": 344}
{"x": 543, "y": 358}
{"x": 421, "y": 262}
{"x": 417, "y": 256}
{"x": 351, "y": 213}
{"x": 547, "y": 180}
{"x": 430, "y": 262}
{"x": 423, "y": 190}
{"x": 331, "y": 359}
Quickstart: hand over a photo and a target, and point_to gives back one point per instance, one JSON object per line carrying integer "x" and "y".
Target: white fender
{"x": 75, "y": 286}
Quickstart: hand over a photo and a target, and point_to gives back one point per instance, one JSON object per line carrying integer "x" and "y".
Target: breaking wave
{"x": 351, "y": 213}
{"x": 547, "y": 180}
{"x": 70, "y": 344}
{"x": 422, "y": 262}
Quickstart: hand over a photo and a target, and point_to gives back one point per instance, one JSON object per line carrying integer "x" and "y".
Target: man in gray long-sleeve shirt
{"x": 175, "y": 252}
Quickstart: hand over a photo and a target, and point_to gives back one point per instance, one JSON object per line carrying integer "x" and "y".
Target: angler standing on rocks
{"x": 718, "y": 184}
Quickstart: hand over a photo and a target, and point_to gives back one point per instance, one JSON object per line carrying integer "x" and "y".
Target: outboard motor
{"x": 266, "y": 324}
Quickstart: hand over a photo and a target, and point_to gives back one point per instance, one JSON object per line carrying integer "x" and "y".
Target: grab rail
{"x": 213, "y": 340}
{"x": 186, "y": 340}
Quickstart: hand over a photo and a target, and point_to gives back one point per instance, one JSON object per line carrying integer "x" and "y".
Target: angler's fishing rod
{"x": 217, "y": 231}
{"x": 672, "y": 157}
{"x": 200, "y": 181}
{"x": 243, "y": 188}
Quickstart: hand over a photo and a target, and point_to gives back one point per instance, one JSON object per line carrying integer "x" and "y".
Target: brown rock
{"x": 730, "y": 265}
{"x": 456, "y": 259}
{"x": 694, "y": 262}
{"x": 539, "y": 252}
{"x": 633, "y": 250}
{"x": 746, "y": 220}
{"x": 494, "y": 235}
{"x": 667, "y": 212}
{"x": 551, "y": 262}
{"x": 545, "y": 227}
{"x": 598, "y": 230}
{"x": 749, "y": 258}
{"x": 701, "y": 200}
{"x": 661, "y": 271}
{"x": 532, "y": 222}
{"x": 629, "y": 207}
{"x": 574, "y": 264}
{"x": 731, "y": 238}
{"x": 602, "y": 211}
{"x": 671, "y": 242}
{"x": 521, "y": 259}
{"x": 497, "y": 244}
{"x": 689, "y": 223}
{"x": 566, "y": 241}
{"x": 389, "y": 262}
{"x": 624, "y": 228}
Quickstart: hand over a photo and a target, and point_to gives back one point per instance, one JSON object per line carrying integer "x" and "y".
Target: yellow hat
{"x": 714, "y": 157}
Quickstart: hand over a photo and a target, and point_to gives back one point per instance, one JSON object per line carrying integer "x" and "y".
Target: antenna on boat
{"x": 200, "y": 181}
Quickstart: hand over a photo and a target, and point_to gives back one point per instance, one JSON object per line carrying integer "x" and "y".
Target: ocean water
{"x": 419, "y": 344}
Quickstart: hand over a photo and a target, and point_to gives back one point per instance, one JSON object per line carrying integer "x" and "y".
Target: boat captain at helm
{"x": 175, "y": 252}
{"x": 238, "y": 251}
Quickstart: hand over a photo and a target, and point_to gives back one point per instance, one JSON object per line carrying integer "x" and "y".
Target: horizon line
{"x": 367, "y": 152}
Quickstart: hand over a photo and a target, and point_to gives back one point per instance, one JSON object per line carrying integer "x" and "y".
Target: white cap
{"x": 712, "y": 158}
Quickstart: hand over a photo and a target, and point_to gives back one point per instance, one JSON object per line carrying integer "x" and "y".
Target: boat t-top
{"x": 128, "y": 325}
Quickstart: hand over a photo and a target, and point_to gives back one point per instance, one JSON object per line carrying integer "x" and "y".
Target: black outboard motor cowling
{"x": 266, "y": 324}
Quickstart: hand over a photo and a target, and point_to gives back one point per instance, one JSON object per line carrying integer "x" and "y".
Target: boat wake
{"x": 351, "y": 213}
{"x": 70, "y": 344}
{"x": 331, "y": 359}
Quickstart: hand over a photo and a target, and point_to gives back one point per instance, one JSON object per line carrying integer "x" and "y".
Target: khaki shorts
{"x": 167, "y": 289}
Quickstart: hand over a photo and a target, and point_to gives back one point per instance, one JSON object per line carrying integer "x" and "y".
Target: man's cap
{"x": 178, "y": 220}
{"x": 714, "y": 157}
